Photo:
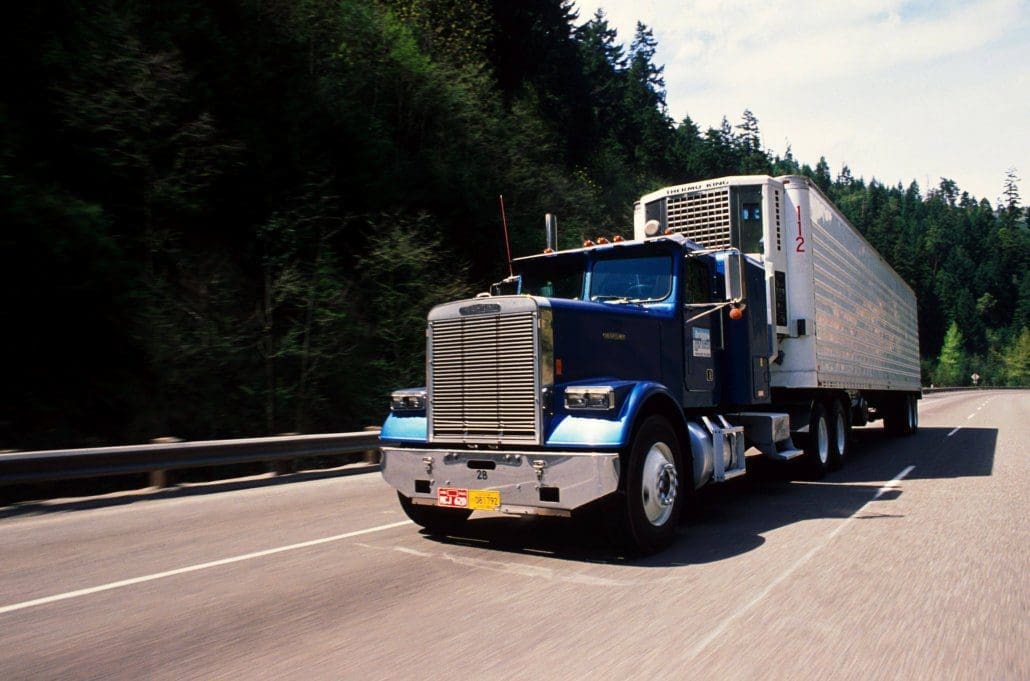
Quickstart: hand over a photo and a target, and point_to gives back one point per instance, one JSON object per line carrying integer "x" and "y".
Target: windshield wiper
{"x": 623, "y": 300}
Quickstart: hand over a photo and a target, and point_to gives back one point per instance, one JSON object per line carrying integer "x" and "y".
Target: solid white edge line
{"x": 740, "y": 612}
{"x": 193, "y": 568}
{"x": 955, "y": 430}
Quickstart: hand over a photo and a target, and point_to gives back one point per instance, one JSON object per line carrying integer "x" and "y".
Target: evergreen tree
{"x": 821, "y": 175}
{"x": 644, "y": 73}
{"x": 951, "y": 369}
{"x": 1017, "y": 360}
{"x": 1012, "y": 202}
{"x": 649, "y": 131}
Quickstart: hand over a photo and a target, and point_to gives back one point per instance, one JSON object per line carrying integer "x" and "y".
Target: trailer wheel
{"x": 840, "y": 435}
{"x": 912, "y": 421}
{"x": 893, "y": 417}
{"x": 434, "y": 519}
{"x": 646, "y": 519}
{"x": 901, "y": 416}
{"x": 817, "y": 443}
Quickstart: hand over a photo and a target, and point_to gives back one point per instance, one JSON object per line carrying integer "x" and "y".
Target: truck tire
{"x": 648, "y": 510}
{"x": 912, "y": 411}
{"x": 893, "y": 417}
{"x": 816, "y": 460}
{"x": 901, "y": 416}
{"x": 840, "y": 435}
{"x": 434, "y": 519}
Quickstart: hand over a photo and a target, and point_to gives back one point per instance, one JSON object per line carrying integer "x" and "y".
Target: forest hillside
{"x": 230, "y": 218}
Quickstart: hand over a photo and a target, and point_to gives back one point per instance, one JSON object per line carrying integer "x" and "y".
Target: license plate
{"x": 484, "y": 499}
{"x": 472, "y": 499}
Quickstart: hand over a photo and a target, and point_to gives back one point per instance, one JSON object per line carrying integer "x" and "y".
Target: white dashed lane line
{"x": 192, "y": 568}
{"x": 740, "y": 612}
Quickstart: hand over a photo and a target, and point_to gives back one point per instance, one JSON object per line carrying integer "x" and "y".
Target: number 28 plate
{"x": 472, "y": 499}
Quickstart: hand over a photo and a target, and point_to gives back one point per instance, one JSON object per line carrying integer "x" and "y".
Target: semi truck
{"x": 746, "y": 317}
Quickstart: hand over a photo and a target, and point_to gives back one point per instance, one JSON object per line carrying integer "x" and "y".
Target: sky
{"x": 896, "y": 90}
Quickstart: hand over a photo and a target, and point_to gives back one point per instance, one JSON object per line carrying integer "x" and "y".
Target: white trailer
{"x": 843, "y": 319}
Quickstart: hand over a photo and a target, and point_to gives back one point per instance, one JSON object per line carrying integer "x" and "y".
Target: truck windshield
{"x": 632, "y": 280}
{"x": 553, "y": 277}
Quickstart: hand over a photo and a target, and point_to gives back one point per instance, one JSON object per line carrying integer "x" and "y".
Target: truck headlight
{"x": 598, "y": 398}
{"x": 408, "y": 400}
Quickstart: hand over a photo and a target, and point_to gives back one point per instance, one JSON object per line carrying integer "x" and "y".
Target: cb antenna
{"x": 507, "y": 241}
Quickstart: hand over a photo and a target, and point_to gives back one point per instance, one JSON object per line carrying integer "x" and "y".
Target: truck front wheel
{"x": 436, "y": 520}
{"x": 646, "y": 521}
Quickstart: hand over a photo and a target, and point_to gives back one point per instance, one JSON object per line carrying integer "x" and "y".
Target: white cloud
{"x": 898, "y": 90}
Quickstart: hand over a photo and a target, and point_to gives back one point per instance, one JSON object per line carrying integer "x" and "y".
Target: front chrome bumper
{"x": 535, "y": 483}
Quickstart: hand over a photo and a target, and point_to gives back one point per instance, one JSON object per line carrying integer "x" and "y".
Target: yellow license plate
{"x": 484, "y": 500}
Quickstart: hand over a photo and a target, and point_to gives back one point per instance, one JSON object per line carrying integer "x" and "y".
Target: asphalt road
{"x": 911, "y": 563}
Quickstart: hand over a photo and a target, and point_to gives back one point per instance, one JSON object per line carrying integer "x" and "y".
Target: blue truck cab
{"x": 604, "y": 376}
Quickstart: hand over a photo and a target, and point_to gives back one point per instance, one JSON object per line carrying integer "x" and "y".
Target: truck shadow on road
{"x": 732, "y": 519}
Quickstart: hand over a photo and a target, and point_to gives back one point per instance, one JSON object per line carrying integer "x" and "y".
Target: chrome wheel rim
{"x": 841, "y": 433}
{"x": 659, "y": 484}
{"x": 822, "y": 441}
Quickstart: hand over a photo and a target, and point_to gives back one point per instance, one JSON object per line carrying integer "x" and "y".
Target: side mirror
{"x": 733, "y": 271}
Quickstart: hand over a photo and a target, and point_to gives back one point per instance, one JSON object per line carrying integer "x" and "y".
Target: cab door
{"x": 700, "y": 334}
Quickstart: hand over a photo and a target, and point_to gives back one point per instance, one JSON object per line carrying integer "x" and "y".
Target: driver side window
{"x": 696, "y": 282}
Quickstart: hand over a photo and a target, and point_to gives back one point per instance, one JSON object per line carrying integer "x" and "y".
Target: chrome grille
{"x": 483, "y": 379}
{"x": 701, "y": 216}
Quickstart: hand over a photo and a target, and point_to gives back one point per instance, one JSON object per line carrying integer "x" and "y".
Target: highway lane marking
{"x": 954, "y": 430}
{"x": 740, "y": 612}
{"x": 533, "y": 571}
{"x": 889, "y": 485}
{"x": 410, "y": 552}
{"x": 193, "y": 568}
{"x": 511, "y": 568}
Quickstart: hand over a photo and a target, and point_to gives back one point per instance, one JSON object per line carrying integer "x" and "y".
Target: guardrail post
{"x": 284, "y": 466}
{"x": 162, "y": 479}
{"x": 371, "y": 455}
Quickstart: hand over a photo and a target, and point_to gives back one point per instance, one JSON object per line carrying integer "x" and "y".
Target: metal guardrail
{"x": 972, "y": 387}
{"x": 158, "y": 459}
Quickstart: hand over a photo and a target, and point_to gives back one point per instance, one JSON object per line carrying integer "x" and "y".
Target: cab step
{"x": 769, "y": 432}
{"x": 728, "y": 459}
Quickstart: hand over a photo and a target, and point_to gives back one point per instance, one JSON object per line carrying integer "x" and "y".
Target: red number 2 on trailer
{"x": 800, "y": 239}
